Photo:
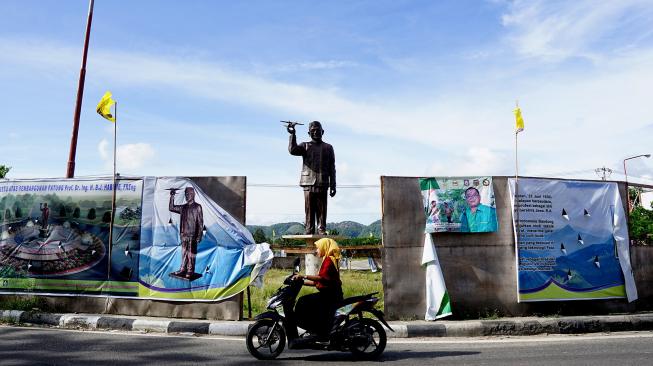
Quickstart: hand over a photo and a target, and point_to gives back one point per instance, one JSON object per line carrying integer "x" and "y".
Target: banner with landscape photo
{"x": 55, "y": 240}
{"x": 571, "y": 240}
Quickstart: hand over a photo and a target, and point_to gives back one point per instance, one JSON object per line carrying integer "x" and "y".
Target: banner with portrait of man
{"x": 459, "y": 204}
{"x": 167, "y": 240}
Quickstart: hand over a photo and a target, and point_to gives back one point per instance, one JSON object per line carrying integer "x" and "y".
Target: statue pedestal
{"x": 312, "y": 262}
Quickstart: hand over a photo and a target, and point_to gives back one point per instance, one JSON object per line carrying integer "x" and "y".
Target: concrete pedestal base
{"x": 311, "y": 261}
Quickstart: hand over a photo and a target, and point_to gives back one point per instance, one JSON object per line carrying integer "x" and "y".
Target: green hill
{"x": 345, "y": 228}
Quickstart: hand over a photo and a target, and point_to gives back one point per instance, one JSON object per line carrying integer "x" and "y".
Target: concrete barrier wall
{"x": 230, "y": 194}
{"x": 479, "y": 269}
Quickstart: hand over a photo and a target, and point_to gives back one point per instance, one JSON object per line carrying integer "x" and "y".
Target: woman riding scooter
{"x": 348, "y": 331}
{"x": 315, "y": 311}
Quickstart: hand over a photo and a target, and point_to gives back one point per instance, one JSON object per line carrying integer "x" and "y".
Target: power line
{"x": 633, "y": 176}
{"x": 273, "y": 185}
{"x": 573, "y": 172}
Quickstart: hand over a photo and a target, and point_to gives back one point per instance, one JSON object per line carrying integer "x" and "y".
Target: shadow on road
{"x": 387, "y": 356}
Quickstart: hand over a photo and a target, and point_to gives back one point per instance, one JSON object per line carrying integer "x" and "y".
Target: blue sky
{"x": 408, "y": 88}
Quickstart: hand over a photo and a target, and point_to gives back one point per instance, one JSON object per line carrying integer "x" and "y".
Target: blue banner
{"x": 571, "y": 240}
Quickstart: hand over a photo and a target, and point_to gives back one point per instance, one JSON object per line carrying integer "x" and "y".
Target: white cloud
{"x": 481, "y": 160}
{"x": 103, "y": 149}
{"x": 129, "y": 157}
{"x": 557, "y": 30}
{"x": 574, "y": 120}
{"x": 481, "y": 112}
{"x": 306, "y": 66}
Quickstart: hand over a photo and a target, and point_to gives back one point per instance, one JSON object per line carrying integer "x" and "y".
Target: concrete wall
{"x": 230, "y": 194}
{"x": 479, "y": 269}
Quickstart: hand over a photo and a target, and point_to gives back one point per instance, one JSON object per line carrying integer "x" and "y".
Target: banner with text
{"x": 571, "y": 240}
{"x": 170, "y": 241}
{"x": 459, "y": 204}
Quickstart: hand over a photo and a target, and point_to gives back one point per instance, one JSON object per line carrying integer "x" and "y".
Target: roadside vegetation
{"x": 4, "y": 170}
{"x": 24, "y": 303}
{"x": 640, "y": 223}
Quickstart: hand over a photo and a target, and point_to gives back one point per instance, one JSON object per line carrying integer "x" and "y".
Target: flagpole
{"x": 516, "y": 157}
{"x": 516, "y": 150}
{"x": 113, "y": 198}
{"x": 516, "y": 205}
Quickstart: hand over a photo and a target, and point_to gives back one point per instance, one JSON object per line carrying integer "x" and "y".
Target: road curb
{"x": 112, "y": 323}
{"x": 11, "y": 316}
{"x": 229, "y": 328}
{"x": 412, "y": 329}
{"x": 530, "y": 326}
{"x": 33, "y": 317}
{"x": 148, "y": 325}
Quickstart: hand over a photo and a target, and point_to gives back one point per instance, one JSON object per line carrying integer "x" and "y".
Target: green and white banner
{"x": 438, "y": 304}
{"x": 459, "y": 204}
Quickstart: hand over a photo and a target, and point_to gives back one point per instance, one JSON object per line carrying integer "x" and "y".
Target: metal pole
{"x": 516, "y": 205}
{"x": 249, "y": 304}
{"x": 113, "y": 200}
{"x": 113, "y": 187}
{"x": 115, "y": 139}
{"x": 516, "y": 151}
{"x": 516, "y": 210}
{"x": 627, "y": 189}
{"x": 80, "y": 93}
{"x": 626, "y": 175}
{"x": 516, "y": 158}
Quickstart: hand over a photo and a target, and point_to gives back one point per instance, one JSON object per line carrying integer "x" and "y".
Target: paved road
{"x": 43, "y": 346}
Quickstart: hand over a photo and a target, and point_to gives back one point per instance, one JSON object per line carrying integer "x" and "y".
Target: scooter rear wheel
{"x": 266, "y": 339}
{"x": 368, "y": 339}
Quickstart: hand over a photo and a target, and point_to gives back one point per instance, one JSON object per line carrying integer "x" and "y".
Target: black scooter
{"x": 365, "y": 338}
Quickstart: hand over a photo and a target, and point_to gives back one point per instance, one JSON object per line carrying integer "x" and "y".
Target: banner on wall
{"x": 459, "y": 204}
{"x": 571, "y": 241}
{"x": 170, "y": 240}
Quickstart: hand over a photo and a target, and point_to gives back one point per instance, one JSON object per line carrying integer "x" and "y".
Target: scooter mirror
{"x": 296, "y": 265}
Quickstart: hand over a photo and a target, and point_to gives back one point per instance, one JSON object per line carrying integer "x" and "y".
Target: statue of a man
{"x": 318, "y": 175}
{"x": 191, "y": 230}
{"x": 45, "y": 214}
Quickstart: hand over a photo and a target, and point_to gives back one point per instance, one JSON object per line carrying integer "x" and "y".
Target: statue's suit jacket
{"x": 319, "y": 163}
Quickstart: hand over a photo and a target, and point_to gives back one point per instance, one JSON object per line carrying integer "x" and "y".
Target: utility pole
{"x": 70, "y": 172}
{"x": 606, "y": 172}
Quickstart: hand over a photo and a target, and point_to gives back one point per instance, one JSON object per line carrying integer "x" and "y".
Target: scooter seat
{"x": 354, "y": 299}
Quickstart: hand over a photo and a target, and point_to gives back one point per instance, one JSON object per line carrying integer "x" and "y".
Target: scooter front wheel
{"x": 266, "y": 339}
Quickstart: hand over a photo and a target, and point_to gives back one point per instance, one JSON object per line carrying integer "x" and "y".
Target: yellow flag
{"x": 519, "y": 120}
{"x": 104, "y": 107}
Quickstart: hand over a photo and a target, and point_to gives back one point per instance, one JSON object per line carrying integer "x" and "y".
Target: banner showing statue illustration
{"x": 571, "y": 240}
{"x": 459, "y": 204}
{"x": 170, "y": 241}
{"x": 192, "y": 249}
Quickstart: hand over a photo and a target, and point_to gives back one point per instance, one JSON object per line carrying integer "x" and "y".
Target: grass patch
{"x": 490, "y": 314}
{"x": 24, "y": 303}
{"x": 353, "y": 283}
